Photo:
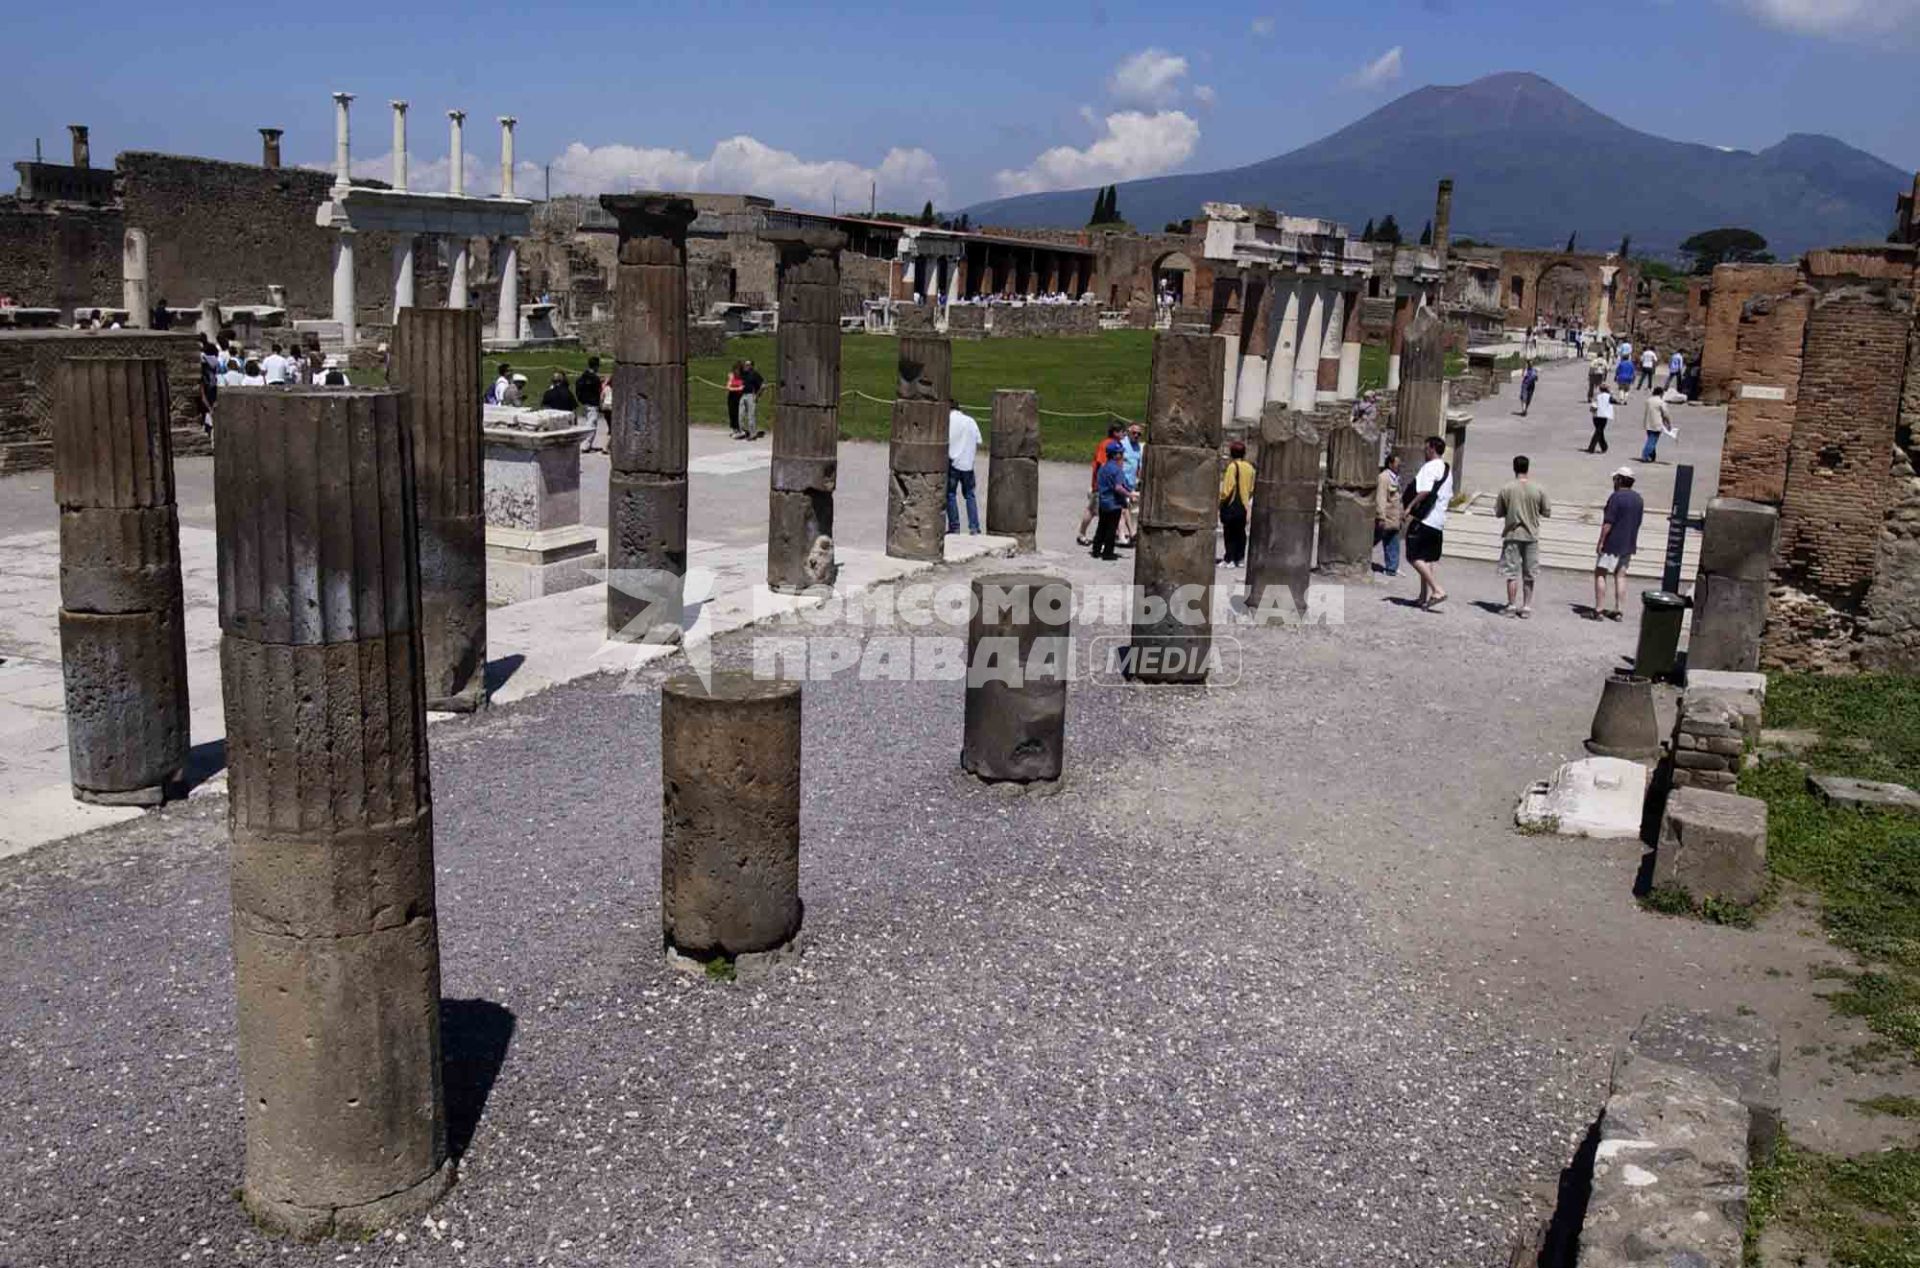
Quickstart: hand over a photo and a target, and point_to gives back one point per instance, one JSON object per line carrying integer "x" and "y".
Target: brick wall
{"x": 1767, "y": 356}
{"x": 63, "y": 257}
{"x": 1890, "y": 634}
{"x": 29, "y": 360}
{"x": 1731, "y": 287}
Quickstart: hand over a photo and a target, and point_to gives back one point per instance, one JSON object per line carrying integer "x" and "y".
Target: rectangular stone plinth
{"x": 529, "y": 565}
{"x": 533, "y": 478}
{"x": 1713, "y": 845}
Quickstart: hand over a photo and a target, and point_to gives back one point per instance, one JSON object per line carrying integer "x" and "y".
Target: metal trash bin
{"x": 1662, "y": 614}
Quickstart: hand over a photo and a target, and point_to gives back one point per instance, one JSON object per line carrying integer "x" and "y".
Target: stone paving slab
{"x": 1864, "y": 794}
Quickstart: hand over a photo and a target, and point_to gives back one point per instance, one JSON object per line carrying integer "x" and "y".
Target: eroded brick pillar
{"x": 1346, "y": 500}
{"x": 1013, "y": 475}
{"x": 1019, "y": 652}
{"x": 123, "y": 649}
{"x": 335, "y": 946}
{"x": 1172, "y": 637}
{"x": 1286, "y": 494}
{"x": 647, "y": 436}
{"x": 806, "y": 435}
{"x": 917, "y": 484}
{"x": 1419, "y": 410}
{"x": 436, "y": 357}
{"x": 730, "y": 813}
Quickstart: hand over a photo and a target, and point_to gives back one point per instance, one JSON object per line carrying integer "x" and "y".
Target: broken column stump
{"x": 730, "y": 814}
{"x": 1019, "y": 649}
{"x": 806, "y": 434}
{"x": 1286, "y": 498}
{"x": 1013, "y": 475}
{"x": 1420, "y": 408}
{"x": 1730, "y": 599}
{"x": 1712, "y": 845}
{"x": 1346, "y": 500}
{"x": 123, "y": 644}
{"x": 917, "y": 458}
{"x": 647, "y": 435}
{"x": 335, "y": 942}
{"x": 436, "y": 357}
{"x": 1172, "y": 638}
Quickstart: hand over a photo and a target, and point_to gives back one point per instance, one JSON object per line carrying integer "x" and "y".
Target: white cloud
{"x": 739, "y": 164}
{"x": 1261, "y": 26}
{"x": 1134, "y": 144}
{"x": 1149, "y": 79}
{"x": 1379, "y": 72}
{"x": 1837, "y": 17}
{"x": 1205, "y": 97}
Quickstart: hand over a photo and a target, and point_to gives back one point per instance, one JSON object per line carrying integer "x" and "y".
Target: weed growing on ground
{"x": 1671, "y": 900}
{"x": 720, "y": 969}
{"x": 1892, "y": 1106}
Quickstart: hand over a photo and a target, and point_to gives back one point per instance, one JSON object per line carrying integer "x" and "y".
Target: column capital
{"x": 800, "y": 243}
{"x": 458, "y": 116}
{"x": 507, "y": 120}
{"x": 650, "y": 215}
{"x": 398, "y": 105}
{"x": 342, "y": 98}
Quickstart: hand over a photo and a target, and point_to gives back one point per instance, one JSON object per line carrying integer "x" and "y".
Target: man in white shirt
{"x": 963, "y": 441}
{"x": 1648, "y": 361}
{"x": 275, "y": 366}
{"x": 1427, "y": 520}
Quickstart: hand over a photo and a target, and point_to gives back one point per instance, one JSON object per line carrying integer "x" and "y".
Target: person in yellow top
{"x": 1236, "y": 495}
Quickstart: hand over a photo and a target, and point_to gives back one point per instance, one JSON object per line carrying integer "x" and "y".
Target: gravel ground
{"x": 1268, "y": 980}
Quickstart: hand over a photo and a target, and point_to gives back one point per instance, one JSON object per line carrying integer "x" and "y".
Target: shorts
{"x": 1519, "y": 558}
{"x": 1423, "y": 543}
{"x": 1093, "y": 501}
{"x": 1609, "y": 564}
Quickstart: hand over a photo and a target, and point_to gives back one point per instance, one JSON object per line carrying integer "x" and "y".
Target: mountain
{"x": 1531, "y": 163}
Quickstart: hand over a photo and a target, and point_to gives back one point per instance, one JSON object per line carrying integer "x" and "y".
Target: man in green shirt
{"x": 1521, "y": 506}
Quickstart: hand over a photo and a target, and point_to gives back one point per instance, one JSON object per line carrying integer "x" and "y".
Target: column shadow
{"x": 500, "y": 669}
{"x": 474, "y": 1036}
{"x": 204, "y": 761}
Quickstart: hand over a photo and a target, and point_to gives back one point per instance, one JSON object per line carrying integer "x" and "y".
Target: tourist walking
{"x": 275, "y": 366}
{"x": 1657, "y": 420}
{"x": 1676, "y": 371}
{"x": 558, "y": 395}
{"x": 1649, "y": 361}
{"x": 963, "y": 443}
{"x": 1112, "y": 492}
{"x": 1132, "y": 453}
{"x": 1114, "y": 432}
{"x": 1236, "y": 496}
{"x": 734, "y": 388}
{"x": 1387, "y": 515}
{"x": 1529, "y": 380}
{"x": 1623, "y": 377}
{"x": 1596, "y": 375}
{"x": 1619, "y": 537}
{"x": 1426, "y": 504}
{"x": 1602, "y": 415}
{"x": 586, "y": 390}
{"x": 750, "y": 385}
{"x": 1521, "y": 506}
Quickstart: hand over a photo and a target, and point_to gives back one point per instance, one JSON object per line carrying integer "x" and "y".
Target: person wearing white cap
{"x": 1619, "y": 537}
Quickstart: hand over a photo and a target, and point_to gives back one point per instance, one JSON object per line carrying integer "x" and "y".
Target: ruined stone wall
{"x": 29, "y": 360}
{"x": 1046, "y": 321}
{"x": 1672, "y": 318}
{"x": 60, "y": 256}
{"x": 1731, "y": 287}
{"x": 1890, "y": 634}
{"x": 1766, "y": 361}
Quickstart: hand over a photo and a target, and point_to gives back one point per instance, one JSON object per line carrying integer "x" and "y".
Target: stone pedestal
{"x": 1420, "y": 408}
{"x": 1013, "y": 474}
{"x": 1286, "y": 498}
{"x": 1730, "y": 598}
{"x": 536, "y": 324}
{"x": 1346, "y": 501}
{"x": 1019, "y": 654}
{"x": 806, "y": 437}
{"x": 335, "y": 945}
{"x": 436, "y": 357}
{"x": 917, "y": 491}
{"x": 208, "y": 323}
{"x": 1713, "y": 845}
{"x": 730, "y": 814}
{"x": 1172, "y": 638}
{"x": 123, "y": 649}
{"x": 536, "y": 544}
{"x": 134, "y": 293}
{"x": 647, "y": 435}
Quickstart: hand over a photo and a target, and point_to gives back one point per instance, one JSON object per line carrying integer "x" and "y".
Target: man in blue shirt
{"x": 1113, "y": 492}
{"x": 1130, "y": 456}
{"x": 1619, "y": 538}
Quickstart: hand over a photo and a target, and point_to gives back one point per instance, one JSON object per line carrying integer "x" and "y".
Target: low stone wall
{"x": 1001, "y": 321}
{"x": 1711, "y": 737}
{"x": 29, "y": 358}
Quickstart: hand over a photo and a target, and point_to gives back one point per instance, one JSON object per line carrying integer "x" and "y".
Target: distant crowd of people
{"x": 224, "y": 363}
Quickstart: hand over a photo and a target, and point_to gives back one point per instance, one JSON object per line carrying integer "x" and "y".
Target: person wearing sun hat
{"x": 1619, "y": 537}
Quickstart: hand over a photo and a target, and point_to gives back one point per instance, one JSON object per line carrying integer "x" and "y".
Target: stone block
{"x": 1740, "y": 1053}
{"x": 1729, "y": 614}
{"x": 1594, "y": 797}
{"x": 1864, "y": 794}
{"x": 1753, "y": 684}
{"x": 1713, "y": 845}
{"x": 1738, "y": 539}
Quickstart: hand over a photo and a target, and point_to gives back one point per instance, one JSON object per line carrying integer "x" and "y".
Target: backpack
{"x": 1420, "y": 505}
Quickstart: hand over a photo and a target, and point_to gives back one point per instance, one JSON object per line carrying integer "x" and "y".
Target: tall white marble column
{"x": 1350, "y": 350}
{"x": 403, "y": 245}
{"x": 343, "y": 309}
{"x": 1251, "y": 393}
{"x": 507, "y": 325}
{"x": 1330, "y": 346}
{"x": 342, "y": 143}
{"x": 457, "y": 186}
{"x": 1306, "y": 362}
{"x": 1286, "y": 338}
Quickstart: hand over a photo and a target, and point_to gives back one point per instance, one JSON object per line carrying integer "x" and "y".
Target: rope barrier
{"x": 980, "y": 409}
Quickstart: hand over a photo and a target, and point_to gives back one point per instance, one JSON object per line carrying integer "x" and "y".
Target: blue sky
{"x": 957, "y": 102}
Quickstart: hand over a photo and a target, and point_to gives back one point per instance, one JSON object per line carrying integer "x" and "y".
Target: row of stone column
{"x": 1296, "y": 342}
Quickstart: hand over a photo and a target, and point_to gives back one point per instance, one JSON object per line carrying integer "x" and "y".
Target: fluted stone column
{"x": 806, "y": 434}
{"x": 1396, "y": 342}
{"x": 135, "y": 296}
{"x": 1250, "y": 393}
{"x": 1286, "y": 339}
{"x": 457, "y": 296}
{"x": 1229, "y": 307}
{"x": 1346, "y": 501}
{"x": 123, "y": 649}
{"x": 335, "y": 944}
{"x": 1327, "y": 385}
{"x": 1306, "y": 366}
{"x": 1019, "y": 656}
{"x": 507, "y": 314}
{"x": 1173, "y": 562}
{"x": 917, "y": 489}
{"x": 730, "y": 814}
{"x": 1420, "y": 408}
{"x": 647, "y": 436}
{"x": 1286, "y": 495}
{"x": 436, "y": 357}
{"x": 1013, "y": 474}
{"x": 1350, "y": 337}
{"x": 344, "y": 311}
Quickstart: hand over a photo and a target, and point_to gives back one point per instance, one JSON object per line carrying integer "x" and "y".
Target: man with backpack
{"x": 1427, "y": 499}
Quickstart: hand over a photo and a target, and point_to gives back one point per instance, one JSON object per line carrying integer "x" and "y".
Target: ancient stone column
{"x": 123, "y": 648}
{"x": 806, "y": 439}
{"x": 436, "y": 357}
{"x": 1019, "y": 654}
{"x": 1349, "y": 382}
{"x": 342, "y": 142}
{"x": 1346, "y": 501}
{"x": 917, "y": 491}
{"x": 1173, "y": 562}
{"x": 335, "y": 947}
{"x": 457, "y": 186}
{"x": 344, "y": 311}
{"x": 730, "y": 814}
{"x": 1013, "y": 475}
{"x": 1327, "y": 384}
{"x": 1229, "y": 303}
{"x": 82, "y": 151}
{"x": 1420, "y": 408}
{"x": 208, "y": 327}
{"x": 507, "y": 313}
{"x": 1286, "y": 496}
{"x": 647, "y": 436}
{"x": 1313, "y": 332}
{"x": 1250, "y": 392}
{"x": 1396, "y": 340}
{"x": 1443, "y": 221}
{"x": 134, "y": 295}
{"x": 270, "y": 146}
{"x": 1287, "y": 334}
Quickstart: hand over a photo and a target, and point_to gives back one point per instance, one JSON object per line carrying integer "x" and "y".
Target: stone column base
{"x": 309, "y": 1224}
{"x": 524, "y": 565}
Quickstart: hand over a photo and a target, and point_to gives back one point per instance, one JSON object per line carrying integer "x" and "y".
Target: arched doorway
{"x": 1562, "y": 296}
{"x": 1173, "y": 280}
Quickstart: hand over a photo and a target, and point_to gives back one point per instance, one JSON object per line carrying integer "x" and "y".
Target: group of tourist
{"x": 589, "y": 396}
{"x": 744, "y": 385}
{"x": 1114, "y": 489}
{"x": 1604, "y": 397}
{"x": 224, "y": 363}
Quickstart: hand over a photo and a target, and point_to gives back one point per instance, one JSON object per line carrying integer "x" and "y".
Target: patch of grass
{"x": 1879, "y": 712}
{"x": 1545, "y": 826}
{"x": 720, "y": 969}
{"x": 1892, "y": 1106}
{"x": 1859, "y": 1212}
{"x": 1671, "y": 900}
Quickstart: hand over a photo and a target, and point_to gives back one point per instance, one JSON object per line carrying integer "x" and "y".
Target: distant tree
{"x": 1389, "y": 231}
{"x": 1113, "y": 205}
{"x": 1572, "y": 240}
{"x": 964, "y": 223}
{"x": 1464, "y": 243}
{"x": 1366, "y": 234}
{"x": 926, "y": 213}
{"x": 1626, "y": 242}
{"x": 1725, "y": 246}
{"x": 1180, "y": 226}
{"x": 1426, "y": 235}
{"x": 1099, "y": 211}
